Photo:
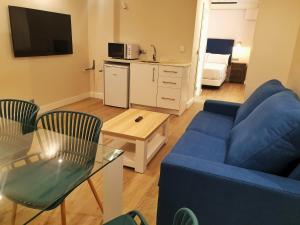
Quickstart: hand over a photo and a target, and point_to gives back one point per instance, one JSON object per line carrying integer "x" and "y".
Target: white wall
{"x": 274, "y": 42}
{"x": 202, "y": 28}
{"x": 232, "y": 24}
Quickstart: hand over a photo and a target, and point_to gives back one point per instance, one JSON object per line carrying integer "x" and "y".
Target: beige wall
{"x": 167, "y": 24}
{"x": 294, "y": 77}
{"x": 100, "y": 32}
{"x": 274, "y": 41}
{"x": 51, "y": 78}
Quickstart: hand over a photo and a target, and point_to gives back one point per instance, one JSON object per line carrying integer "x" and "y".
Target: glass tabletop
{"x": 39, "y": 168}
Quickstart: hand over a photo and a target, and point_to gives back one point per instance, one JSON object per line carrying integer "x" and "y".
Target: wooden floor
{"x": 140, "y": 190}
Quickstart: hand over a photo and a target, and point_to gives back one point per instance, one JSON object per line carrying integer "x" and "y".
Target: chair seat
{"x": 200, "y": 145}
{"x": 213, "y": 124}
{"x": 122, "y": 220}
{"x": 52, "y": 180}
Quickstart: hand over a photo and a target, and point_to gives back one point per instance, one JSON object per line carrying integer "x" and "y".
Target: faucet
{"x": 154, "y": 53}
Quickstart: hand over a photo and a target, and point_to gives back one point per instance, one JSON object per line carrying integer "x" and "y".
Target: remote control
{"x": 138, "y": 119}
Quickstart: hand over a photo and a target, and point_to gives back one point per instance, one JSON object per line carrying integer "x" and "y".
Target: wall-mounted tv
{"x": 40, "y": 33}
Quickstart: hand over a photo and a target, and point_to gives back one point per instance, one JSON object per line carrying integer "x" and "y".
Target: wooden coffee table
{"x": 148, "y": 135}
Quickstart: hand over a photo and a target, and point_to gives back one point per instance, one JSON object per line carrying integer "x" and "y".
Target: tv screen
{"x": 40, "y": 33}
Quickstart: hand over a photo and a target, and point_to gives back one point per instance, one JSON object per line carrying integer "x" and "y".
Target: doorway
{"x": 227, "y": 31}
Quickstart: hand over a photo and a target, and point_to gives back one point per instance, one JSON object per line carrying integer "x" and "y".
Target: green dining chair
{"x": 183, "y": 216}
{"x": 77, "y": 150}
{"x": 20, "y": 111}
{"x": 20, "y": 119}
{"x": 128, "y": 219}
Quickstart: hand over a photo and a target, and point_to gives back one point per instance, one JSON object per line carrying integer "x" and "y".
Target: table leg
{"x": 95, "y": 194}
{"x": 140, "y": 160}
{"x": 14, "y": 214}
{"x": 113, "y": 189}
{"x": 63, "y": 213}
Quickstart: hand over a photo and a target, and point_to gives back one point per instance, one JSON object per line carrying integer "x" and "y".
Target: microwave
{"x": 123, "y": 51}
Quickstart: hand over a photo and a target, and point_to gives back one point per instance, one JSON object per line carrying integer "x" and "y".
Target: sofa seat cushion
{"x": 200, "y": 145}
{"x": 260, "y": 94}
{"x": 268, "y": 140}
{"x": 212, "y": 124}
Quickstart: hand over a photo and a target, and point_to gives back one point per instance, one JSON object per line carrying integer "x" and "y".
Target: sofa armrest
{"x": 221, "y": 194}
{"x": 221, "y": 107}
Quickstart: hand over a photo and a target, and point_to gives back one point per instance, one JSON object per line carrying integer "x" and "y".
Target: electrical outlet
{"x": 181, "y": 48}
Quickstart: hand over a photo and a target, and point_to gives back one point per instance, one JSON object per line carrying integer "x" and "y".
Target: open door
{"x": 202, "y": 46}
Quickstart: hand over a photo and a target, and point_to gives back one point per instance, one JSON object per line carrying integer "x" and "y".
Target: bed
{"x": 217, "y": 60}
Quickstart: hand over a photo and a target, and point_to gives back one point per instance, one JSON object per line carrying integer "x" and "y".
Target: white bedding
{"x": 214, "y": 71}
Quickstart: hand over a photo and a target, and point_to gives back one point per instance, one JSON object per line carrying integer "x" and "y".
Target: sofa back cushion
{"x": 260, "y": 94}
{"x": 268, "y": 139}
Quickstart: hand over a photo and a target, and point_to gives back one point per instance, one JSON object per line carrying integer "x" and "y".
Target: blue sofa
{"x": 237, "y": 164}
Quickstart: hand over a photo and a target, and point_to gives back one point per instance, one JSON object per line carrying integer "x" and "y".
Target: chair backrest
{"x": 185, "y": 216}
{"x": 84, "y": 130}
{"x": 20, "y": 111}
{"x": 75, "y": 124}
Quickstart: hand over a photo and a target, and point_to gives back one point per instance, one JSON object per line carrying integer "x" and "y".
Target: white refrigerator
{"x": 116, "y": 85}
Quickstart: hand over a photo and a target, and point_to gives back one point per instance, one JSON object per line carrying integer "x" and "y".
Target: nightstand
{"x": 238, "y": 72}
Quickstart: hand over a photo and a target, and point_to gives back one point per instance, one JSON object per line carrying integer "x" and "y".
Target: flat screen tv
{"x": 40, "y": 33}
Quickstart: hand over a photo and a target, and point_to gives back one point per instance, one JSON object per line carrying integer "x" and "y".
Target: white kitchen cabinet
{"x": 143, "y": 84}
{"x": 173, "y": 88}
{"x": 160, "y": 86}
{"x": 168, "y": 98}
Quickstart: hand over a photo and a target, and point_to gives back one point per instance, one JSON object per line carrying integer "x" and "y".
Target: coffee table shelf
{"x": 148, "y": 135}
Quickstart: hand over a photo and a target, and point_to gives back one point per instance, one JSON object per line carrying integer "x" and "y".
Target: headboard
{"x": 220, "y": 46}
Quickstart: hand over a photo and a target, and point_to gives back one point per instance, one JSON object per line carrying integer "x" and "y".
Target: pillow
{"x": 268, "y": 140}
{"x": 260, "y": 94}
{"x": 218, "y": 58}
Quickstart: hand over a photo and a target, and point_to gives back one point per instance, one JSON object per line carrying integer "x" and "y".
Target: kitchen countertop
{"x": 163, "y": 63}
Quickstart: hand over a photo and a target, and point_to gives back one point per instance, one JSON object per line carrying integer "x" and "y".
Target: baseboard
{"x": 98, "y": 95}
{"x": 189, "y": 103}
{"x": 63, "y": 102}
{"x": 198, "y": 92}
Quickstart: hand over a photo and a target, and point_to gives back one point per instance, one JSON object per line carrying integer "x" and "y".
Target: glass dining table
{"x": 39, "y": 168}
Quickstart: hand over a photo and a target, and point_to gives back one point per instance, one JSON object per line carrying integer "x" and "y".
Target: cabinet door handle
{"x": 170, "y": 71}
{"x": 167, "y": 82}
{"x": 170, "y": 99}
{"x": 153, "y": 75}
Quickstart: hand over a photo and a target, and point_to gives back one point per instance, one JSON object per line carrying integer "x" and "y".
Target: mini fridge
{"x": 116, "y": 85}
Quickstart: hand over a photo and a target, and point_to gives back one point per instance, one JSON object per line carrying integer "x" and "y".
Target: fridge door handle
{"x": 153, "y": 75}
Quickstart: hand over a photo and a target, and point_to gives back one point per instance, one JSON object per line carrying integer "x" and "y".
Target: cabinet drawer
{"x": 169, "y": 82}
{"x": 170, "y": 71}
{"x": 168, "y": 98}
